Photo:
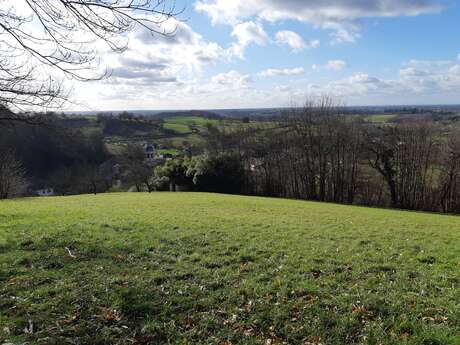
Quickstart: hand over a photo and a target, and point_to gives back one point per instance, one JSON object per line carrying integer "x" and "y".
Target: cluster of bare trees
{"x": 313, "y": 153}
{"x": 407, "y": 157}
{"x": 449, "y": 178}
{"x": 317, "y": 153}
{"x": 322, "y": 151}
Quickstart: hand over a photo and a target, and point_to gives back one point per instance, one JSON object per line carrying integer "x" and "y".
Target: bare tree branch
{"x": 44, "y": 42}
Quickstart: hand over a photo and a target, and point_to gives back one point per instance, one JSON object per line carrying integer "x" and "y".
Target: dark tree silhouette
{"x": 12, "y": 175}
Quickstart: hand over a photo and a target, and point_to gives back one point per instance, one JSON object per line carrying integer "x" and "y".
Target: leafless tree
{"x": 93, "y": 179}
{"x": 135, "y": 170}
{"x": 43, "y": 42}
{"x": 324, "y": 151}
{"x": 450, "y": 174}
{"x": 313, "y": 153}
{"x": 12, "y": 176}
{"x": 405, "y": 155}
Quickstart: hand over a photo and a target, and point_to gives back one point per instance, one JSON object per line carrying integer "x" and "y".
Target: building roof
{"x": 149, "y": 148}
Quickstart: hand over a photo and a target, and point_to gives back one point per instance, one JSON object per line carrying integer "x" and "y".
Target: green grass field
{"x": 171, "y": 268}
{"x": 177, "y": 127}
{"x": 191, "y": 120}
{"x": 380, "y": 118}
{"x": 181, "y": 124}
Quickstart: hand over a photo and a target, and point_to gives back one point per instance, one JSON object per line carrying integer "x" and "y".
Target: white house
{"x": 45, "y": 192}
{"x": 151, "y": 157}
{"x": 149, "y": 151}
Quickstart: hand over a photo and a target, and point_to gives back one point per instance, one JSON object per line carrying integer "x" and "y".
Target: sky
{"x": 277, "y": 53}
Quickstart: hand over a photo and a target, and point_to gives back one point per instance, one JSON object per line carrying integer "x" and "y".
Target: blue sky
{"x": 270, "y": 53}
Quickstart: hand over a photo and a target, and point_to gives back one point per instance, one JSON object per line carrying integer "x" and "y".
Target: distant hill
{"x": 189, "y": 113}
{"x": 267, "y": 113}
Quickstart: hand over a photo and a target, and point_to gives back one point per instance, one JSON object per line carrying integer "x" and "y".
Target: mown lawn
{"x": 171, "y": 268}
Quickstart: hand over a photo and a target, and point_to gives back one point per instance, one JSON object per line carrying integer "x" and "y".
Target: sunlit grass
{"x": 183, "y": 124}
{"x": 380, "y": 118}
{"x": 172, "y": 268}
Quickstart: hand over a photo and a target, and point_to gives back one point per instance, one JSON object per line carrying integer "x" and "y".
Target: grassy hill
{"x": 185, "y": 124}
{"x": 170, "y": 268}
{"x": 168, "y": 130}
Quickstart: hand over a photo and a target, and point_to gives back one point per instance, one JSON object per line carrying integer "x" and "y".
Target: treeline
{"x": 314, "y": 153}
{"x": 51, "y": 155}
{"x": 317, "y": 153}
{"x": 65, "y": 156}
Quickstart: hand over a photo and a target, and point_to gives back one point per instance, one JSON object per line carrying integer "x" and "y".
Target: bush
{"x": 221, "y": 173}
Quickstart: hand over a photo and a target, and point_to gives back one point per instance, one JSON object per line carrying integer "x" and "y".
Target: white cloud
{"x": 143, "y": 80}
{"x": 154, "y": 59}
{"x": 433, "y": 84}
{"x": 418, "y": 82}
{"x": 342, "y": 35}
{"x": 273, "y": 72}
{"x": 246, "y": 34}
{"x": 234, "y": 79}
{"x": 340, "y": 16}
{"x": 455, "y": 69}
{"x": 428, "y": 64}
{"x": 458, "y": 56}
{"x": 332, "y": 65}
{"x": 336, "y": 65}
{"x": 411, "y": 72}
{"x": 294, "y": 41}
{"x": 152, "y": 67}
